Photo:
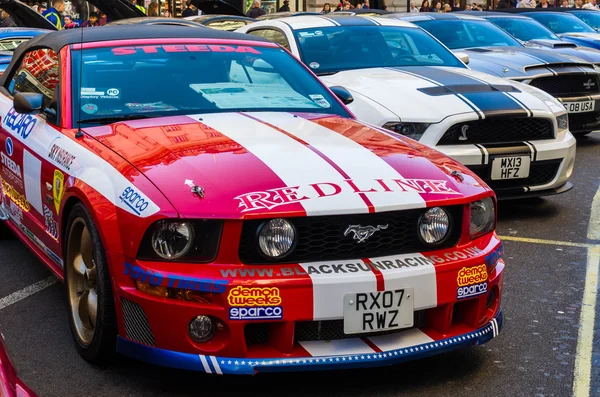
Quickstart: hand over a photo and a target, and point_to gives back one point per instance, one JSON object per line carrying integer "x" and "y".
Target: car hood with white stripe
{"x": 523, "y": 62}
{"x": 267, "y": 164}
{"x": 411, "y": 93}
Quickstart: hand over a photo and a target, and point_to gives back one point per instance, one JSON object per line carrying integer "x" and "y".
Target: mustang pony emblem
{"x": 362, "y": 233}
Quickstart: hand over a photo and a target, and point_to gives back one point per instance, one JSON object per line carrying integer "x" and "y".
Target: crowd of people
{"x": 63, "y": 19}
{"x": 444, "y": 6}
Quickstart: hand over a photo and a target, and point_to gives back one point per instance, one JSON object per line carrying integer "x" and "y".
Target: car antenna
{"x": 79, "y": 133}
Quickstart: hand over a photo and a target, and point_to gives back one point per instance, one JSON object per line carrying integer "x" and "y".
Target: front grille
{"x": 498, "y": 130}
{"x": 584, "y": 122}
{"x": 567, "y": 85}
{"x": 137, "y": 327}
{"x": 334, "y": 329}
{"x": 540, "y": 173}
{"x": 321, "y": 238}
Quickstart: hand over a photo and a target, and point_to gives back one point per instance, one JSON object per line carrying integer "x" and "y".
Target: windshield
{"x": 561, "y": 23}
{"x": 332, "y": 49}
{"x": 12, "y": 43}
{"x": 456, "y": 34}
{"x": 589, "y": 17}
{"x": 524, "y": 29}
{"x": 194, "y": 78}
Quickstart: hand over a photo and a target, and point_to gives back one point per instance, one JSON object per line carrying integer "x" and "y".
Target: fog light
{"x": 201, "y": 329}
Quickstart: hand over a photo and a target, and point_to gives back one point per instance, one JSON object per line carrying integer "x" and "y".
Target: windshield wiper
{"x": 114, "y": 119}
{"x": 327, "y": 73}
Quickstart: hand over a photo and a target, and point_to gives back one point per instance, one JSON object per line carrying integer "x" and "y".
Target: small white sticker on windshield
{"x": 319, "y": 100}
{"x": 100, "y": 93}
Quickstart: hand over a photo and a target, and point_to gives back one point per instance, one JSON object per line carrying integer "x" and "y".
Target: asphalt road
{"x": 534, "y": 355}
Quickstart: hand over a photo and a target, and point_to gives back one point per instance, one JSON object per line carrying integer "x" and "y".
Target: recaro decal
{"x": 19, "y": 124}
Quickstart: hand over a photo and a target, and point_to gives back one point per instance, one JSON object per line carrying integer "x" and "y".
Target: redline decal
{"x": 272, "y": 198}
{"x": 154, "y": 49}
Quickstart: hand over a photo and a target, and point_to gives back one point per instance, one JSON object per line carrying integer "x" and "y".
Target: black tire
{"x": 102, "y": 347}
{"x": 5, "y": 232}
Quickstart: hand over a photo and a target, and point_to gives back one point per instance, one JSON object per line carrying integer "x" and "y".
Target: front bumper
{"x": 155, "y": 328}
{"x": 246, "y": 366}
{"x": 552, "y": 160}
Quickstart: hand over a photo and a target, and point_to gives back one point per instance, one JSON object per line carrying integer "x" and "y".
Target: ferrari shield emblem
{"x": 59, "y": 189}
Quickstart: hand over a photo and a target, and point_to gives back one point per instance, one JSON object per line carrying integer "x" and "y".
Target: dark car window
{"x": 273, "y": 35}
{"x": 463, "y": 33}
{"x": 195, "y": 78}
{"x": 332, "y": 49}
{"x": 37, "y": 73}
{"x": 591, "y": 18}
{"x": 561, "y": 23}
{"x": 525, "y": 29}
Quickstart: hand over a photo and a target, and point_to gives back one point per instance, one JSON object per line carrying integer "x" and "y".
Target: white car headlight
{"x": 483, "y": 217}
{"x": 276, "y": 238}
{"x": 411, "y": 130}
{"x": 563, "y": 122}
{"x": 434, "y": 226}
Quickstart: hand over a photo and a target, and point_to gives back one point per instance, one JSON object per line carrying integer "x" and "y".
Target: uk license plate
{"x": 579, "y": 107}
{"x": 510, "y": 167}
{"x": 378, "y": 311}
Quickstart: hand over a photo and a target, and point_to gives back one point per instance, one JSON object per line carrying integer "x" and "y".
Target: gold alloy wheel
{"x": 82, "y": 288}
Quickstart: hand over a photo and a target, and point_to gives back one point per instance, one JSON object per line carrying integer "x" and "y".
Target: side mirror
{"x": 343, "y": 94}
{"x": 463, "y": 56}
{"x": 28, "y": 102}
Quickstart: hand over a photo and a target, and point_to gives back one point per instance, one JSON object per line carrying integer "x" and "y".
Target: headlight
{"x": 276, "y": 238}
{"x": 434, "y": 226}
{"x": 483, "y": 217}
{"x": 172, "y": 239}
{"x": 411, "y": 130}
{"x": 563, "y": 122}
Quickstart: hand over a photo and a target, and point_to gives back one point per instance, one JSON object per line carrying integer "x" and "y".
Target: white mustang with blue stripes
{"x": 514, "y": 136}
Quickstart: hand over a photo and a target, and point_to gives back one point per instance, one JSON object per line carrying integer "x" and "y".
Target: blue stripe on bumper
{"x": 251, "y": 366}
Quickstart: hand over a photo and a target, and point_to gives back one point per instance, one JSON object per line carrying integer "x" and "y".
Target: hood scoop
{"x": 553, "y": 43}
{"x": 467, "y": 89}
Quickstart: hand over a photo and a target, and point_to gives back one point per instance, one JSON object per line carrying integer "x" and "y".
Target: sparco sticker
{"x": 134, "y": 200}
{"x": 472, "y": 281}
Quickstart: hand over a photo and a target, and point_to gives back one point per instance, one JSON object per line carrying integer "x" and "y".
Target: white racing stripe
{"x": 359, "y": 163}
{"x": 332, "y": 280}
{"x": 87, "y": 166}
{"x": 213, "y": 359}
{"x": 337, "y": 347}
{"x": 293, "y": 162}
{"x": 410, "y": 271}
{"x": 205, "y": 364}
{"x": 400, "y": 340}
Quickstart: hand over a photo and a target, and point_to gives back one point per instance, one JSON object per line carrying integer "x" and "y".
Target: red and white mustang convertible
{"x": 233, "y": 217}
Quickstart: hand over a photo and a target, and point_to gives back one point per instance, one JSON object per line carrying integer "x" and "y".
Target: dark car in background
{"x": 571, "y": 80}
